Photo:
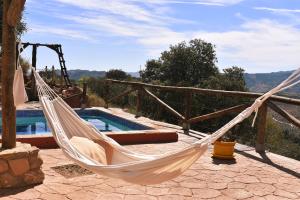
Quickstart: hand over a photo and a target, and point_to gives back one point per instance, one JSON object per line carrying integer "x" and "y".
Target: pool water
{"x": 33, "y": 122}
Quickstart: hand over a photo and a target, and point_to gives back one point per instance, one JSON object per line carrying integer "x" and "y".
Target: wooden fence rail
{"x": 188, "y": 92}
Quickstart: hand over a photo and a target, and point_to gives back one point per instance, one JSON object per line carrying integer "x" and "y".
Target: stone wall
{"x": 20, "y": 166}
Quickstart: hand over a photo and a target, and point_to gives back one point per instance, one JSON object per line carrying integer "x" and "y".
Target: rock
{"x": 12, "y": 154}
{"x": 35, "y": 162}
{"x": 34, "y": 177}
{"x": 19, "y": 166}
{"x": 34, "y": 151}
{"x": 7, "y": 180}
{"x": 3, "y": 166}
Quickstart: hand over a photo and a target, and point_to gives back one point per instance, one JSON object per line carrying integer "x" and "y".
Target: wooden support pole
{"x": 120, "y": 95}
{"x": 33, "y": 62}
{"x": 219, "y": 113}
{"x": 187, "y": 112}
{"x": 34, "y": 51}
{"x": 53, "y": 75}
{"x": 261, "y": 128}
{"x": 46, "y": 72}
{"x": 61, "y": 79}
{"x": 292, "y": 119}
{"x": 7, "y": 75}
{"x": 106, "y": 93}
{"x": 174, "y": 112}
{"x": 209, "y": 91}
{"x": 84, "y": 96}
{"x": 139, "y": 102}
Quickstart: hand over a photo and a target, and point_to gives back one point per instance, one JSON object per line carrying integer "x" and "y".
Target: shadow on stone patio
{"x": 265, "y": 159}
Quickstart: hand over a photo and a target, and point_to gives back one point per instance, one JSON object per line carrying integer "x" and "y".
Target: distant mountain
{"x": 76, "y": 74}
{"x": 257, "y": 82}
{"x": 134, "y": 74}
{"x": 263, "y": 82}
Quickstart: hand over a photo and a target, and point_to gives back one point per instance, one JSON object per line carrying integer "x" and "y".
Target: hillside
{"x": 262, "y": 82}
{"x": 258, "y": 82}
{"x": 76, "y": 74}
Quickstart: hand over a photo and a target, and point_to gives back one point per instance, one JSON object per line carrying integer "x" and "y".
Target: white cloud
{"x": 257, "y": 45}
{"x": 74, "y": 34}
{"x": 260, "y": 46}
{"x": 278, "y": 10}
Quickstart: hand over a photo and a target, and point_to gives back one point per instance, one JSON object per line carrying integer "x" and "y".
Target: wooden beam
{"x": 284, "y": 114}
{"x": 220, "y": 113}
{"x": 120, "y": 95}
{"x": 7, "y": 75}
{"x": 14, "y": 12}
{"x": 174, "y": 112}
{"x": 187, "y": 112}
{"x": 209, "y": 91}
{"x": 139, "y": 102}
{"x": 261, "y": 128}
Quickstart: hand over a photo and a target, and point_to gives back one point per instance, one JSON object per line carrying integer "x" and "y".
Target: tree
{"x": 116, "y": 74}
{"x": 183, "y": 64}
{"x": 21, "y": 28}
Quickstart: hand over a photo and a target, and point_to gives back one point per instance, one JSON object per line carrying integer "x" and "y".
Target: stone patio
{"x": 250, "y": 176}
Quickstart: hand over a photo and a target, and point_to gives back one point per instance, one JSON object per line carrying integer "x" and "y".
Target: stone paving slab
{"x": 250, "y": 176}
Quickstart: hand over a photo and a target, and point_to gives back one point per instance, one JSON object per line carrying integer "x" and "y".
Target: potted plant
{"x": 224, "y": 147}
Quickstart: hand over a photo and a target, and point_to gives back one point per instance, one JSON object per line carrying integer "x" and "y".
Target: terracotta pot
{"x": 223, "y": 150}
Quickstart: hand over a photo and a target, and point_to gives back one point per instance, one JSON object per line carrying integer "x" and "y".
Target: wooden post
{"x": 138, "y": 102}
{"x": 33, "y": 59}
{"x": 8, "y": 71}
{"x": 84, "y": 96}
{"x": 61, "y": 79}
{"x": 33, "y": 62}
{"x": 46, "y": 72}
{"x": 106, "y": 94}
{"x": 187, "y": 112}
{"x": 261, "y": 128}
{"x": 53, "y": 75}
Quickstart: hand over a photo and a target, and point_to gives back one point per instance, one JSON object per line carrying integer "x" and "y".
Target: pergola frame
{"x": 55, "y": 47}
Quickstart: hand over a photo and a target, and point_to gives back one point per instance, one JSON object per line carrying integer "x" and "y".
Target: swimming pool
{"x": 31, "y": 122}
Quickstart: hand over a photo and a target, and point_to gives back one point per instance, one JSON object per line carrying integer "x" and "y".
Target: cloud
{"x": 73, "y": 34}
{"x": 278, "y": 10}
{"x": 258, "y": 45}
{"x": 262, "y": 45}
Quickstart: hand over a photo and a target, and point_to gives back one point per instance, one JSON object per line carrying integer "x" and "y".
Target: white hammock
{"x": 74, "y": 136}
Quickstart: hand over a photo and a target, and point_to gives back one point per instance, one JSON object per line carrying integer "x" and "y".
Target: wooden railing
{"x": 187, "y": 92}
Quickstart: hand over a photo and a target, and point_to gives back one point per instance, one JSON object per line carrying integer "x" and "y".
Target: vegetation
{"x": 194, "y": 64}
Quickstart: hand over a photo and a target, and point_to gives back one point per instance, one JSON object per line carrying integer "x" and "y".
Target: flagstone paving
{"x": 250, "y": 176}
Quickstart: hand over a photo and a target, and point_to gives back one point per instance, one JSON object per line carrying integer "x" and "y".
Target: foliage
{"x": 183, "y": 64}
{"x": 117, "y": 74}
{"x": 282, "y": 139}
{"x": 192, "y": 64}
{"x": 174, "y": 68}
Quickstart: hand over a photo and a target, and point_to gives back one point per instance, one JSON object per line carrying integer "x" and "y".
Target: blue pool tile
{"x": 34, "y": 122}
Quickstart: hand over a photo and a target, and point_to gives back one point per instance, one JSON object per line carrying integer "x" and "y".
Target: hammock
{"x": 75, "y": 137}
{"x": 20, "y": 96}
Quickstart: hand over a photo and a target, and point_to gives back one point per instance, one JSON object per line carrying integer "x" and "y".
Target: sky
{"x": 257, "y": 35}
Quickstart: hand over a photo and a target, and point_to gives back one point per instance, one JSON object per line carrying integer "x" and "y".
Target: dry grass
{"x": 96, "y": 101}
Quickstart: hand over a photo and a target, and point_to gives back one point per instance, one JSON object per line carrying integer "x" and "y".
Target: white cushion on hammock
{"x": 90, "y": 149}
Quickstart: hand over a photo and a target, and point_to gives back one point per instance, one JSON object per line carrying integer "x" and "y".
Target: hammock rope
{"x": 75, "y": 137}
